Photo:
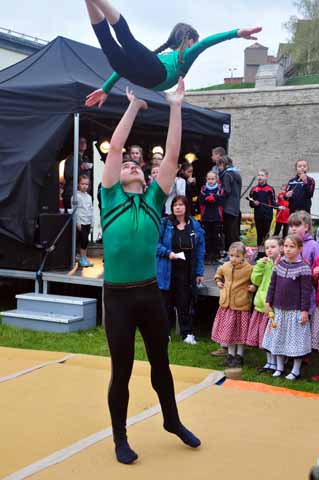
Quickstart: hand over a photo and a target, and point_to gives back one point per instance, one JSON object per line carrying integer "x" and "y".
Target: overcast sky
{"x": 151, "y": 23}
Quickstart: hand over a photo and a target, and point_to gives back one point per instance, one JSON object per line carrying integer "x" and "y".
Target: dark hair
{"x": 225, "y": 160}
{"x": 183, "y": 199}
{"x": 185, "y": 166}
{"x": 132, "y": 161}
{"x": 178, "y": 38}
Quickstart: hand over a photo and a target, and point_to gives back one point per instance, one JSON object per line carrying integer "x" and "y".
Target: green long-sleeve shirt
{"x": 174, "y": 69}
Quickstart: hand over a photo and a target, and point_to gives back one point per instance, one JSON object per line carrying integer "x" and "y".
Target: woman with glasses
{"x": 180, "y": 263}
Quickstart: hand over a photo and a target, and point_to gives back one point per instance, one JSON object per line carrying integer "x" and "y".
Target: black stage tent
{"x": 39, "y": 99}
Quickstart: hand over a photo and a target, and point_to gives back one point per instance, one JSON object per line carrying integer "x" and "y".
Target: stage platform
{"x": 55, "y": 424}
{"x": 93, "y": 276}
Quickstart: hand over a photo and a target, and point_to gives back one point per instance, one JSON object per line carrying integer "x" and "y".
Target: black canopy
{"x": 38, "y": 97}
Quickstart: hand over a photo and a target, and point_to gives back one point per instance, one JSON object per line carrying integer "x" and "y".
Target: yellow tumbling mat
{"x": 48, "y": 409}
{"x": 246, "y": 435}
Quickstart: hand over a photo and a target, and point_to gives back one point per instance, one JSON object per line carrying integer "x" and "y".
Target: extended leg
{"x": 106, "y": 9}
{"x": 95, "y": 14}
{"x": 153, "y": 313}
{"x": 120, "y": 332}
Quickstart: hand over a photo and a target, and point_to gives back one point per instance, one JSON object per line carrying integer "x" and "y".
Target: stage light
{"x": 158, "y": 149}
{"x": 191, "y": 157}
{"x": 61, "y": 171}
{"x": 105, "y": 146}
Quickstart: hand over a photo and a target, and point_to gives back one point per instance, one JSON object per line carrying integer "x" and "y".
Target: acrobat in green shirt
{"x": 153, "y": 70}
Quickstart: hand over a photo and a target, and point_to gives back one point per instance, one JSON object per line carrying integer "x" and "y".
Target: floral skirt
{"x": 230, "y": 326}
{"x": 289, "y": 337}
{"x": 256, "y": 329}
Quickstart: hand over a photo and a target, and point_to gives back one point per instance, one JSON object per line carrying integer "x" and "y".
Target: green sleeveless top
{"x": 130, "y": 223}
{"x": 174, "y": 69}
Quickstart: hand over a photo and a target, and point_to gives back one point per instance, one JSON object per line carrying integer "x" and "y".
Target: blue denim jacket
{"x": 164, "y": 248}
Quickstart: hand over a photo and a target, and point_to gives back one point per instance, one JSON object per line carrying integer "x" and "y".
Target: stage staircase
{"x": 52, "y": 313}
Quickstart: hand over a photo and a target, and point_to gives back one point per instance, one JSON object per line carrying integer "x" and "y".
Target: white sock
{"x": 240, "y": 350}
{"x": 280, "y": 365}
{"x": 273, "y": 362}
{"x": 268, "y": 363}
{"x": 232, "y": 350}
{"x": 297, "y": 366}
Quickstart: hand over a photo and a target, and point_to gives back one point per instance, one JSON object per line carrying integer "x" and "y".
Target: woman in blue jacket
{"x": 180, "y": 262}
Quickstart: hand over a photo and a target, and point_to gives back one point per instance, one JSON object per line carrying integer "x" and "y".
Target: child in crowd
{"x": 282, "y": 215}
{"x": 300, "y": 188}
{"x": 300, "y": 224}
{"x": 262, "y": 200}
{"x": 261, "y": 277}
{"x": 84, "y": 219}
{"x": 232, "y": 319}
{"x": 288, "y": 333}
{"x": 210, "y": 202}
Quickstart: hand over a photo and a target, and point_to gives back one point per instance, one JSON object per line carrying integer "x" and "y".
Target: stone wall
{"x": 271, "y": 128}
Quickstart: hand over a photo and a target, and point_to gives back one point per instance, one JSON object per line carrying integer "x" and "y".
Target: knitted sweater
{"x": 290, "y": 287}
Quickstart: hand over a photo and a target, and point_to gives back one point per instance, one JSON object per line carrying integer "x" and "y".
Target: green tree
{"x": 304, "y": 43}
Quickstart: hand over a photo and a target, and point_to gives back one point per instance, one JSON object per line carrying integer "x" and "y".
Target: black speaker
{"x": 50, "y": 224}
{"x": 49, "y": 194}
{"x": 18, "y": 256}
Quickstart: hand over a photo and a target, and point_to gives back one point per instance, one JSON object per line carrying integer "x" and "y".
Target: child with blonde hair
{"x": 232, "y": 319}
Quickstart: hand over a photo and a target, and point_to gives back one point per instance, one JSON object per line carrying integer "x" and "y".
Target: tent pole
{"x": 75, "y": 181}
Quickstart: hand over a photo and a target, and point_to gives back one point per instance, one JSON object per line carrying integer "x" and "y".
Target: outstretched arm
{"x": 168, "y": 168}
{"x": 192, "y": 53}
{"x": 113, "y": 164}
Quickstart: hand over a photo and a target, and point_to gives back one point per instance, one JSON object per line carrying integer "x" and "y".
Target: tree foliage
{"x": 304, "y": 43}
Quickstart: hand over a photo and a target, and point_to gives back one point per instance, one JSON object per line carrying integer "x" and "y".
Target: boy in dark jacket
{"x": 263, "y": 201}
{"x": 210, "y": 202}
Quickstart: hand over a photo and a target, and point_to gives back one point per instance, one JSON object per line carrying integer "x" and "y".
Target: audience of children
{"x": 232, "y": 319}
{"x": 210, "y": 201}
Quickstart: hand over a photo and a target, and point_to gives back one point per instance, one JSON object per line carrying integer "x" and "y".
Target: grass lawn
{"x": 92, "y": 342}
{"x": 303, "y": 80}
{"x": 225, "y": 86}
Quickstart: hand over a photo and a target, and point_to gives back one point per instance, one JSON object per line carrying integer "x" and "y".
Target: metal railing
{"x": 23, "y": 36}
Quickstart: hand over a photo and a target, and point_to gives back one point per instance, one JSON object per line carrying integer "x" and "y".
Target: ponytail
{"x": 178, "y": 39}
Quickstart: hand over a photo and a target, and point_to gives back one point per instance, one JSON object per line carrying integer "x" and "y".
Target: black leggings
{"x": 263, "y": 225}
{"x": 284, "y": 227}
{"x": 83, "y": 236}
{"x": 125, "y": 310}
{"x": 131, "y": 60}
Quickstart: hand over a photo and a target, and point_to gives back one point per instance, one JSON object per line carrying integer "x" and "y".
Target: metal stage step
{"x": 52, "y": 313}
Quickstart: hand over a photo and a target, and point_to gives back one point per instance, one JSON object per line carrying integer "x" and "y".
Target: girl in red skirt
{"x": 261, "y": 277}
{"x": 232, "y": 319}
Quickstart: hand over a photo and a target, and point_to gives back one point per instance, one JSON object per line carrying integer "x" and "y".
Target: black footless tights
{"x": 125, "y": 310}
{"x": 132, "y": 59}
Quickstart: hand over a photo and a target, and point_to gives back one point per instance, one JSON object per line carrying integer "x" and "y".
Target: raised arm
{"x": 192, "y": 53}
{"x": 168, "y": 168}
{"x": 113, "y": 164}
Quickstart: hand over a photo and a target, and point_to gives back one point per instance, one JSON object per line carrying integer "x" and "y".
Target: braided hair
{"x": 178, "y": 39}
